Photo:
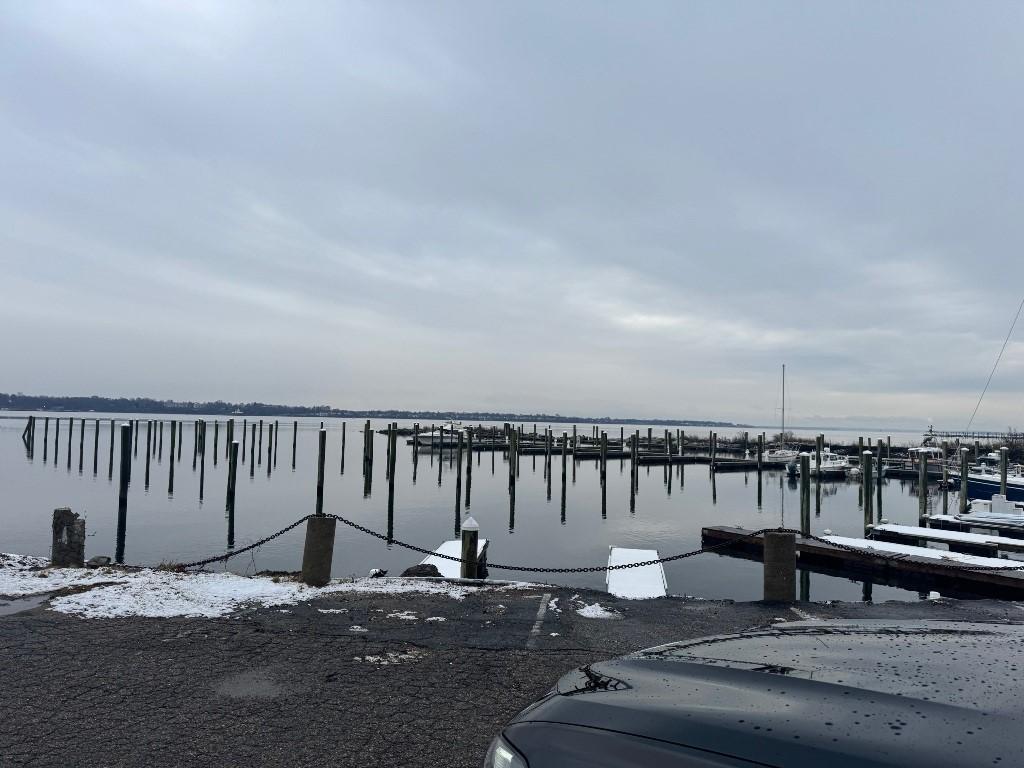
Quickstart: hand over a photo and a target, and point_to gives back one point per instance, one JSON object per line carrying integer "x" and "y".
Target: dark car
{"x": 824, "y": 694}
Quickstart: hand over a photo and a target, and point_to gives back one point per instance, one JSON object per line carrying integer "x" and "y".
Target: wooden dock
{"x": 911, "y": 568}
{"x": 635, "y": 583}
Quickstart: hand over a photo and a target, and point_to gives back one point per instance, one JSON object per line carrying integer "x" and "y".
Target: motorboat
{"x": 445, "y": 436}
{"x": 831, "y": 465}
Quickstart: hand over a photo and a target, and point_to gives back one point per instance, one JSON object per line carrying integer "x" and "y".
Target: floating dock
{"x": 1008, "y": 529}
{"x": 989, "y": 544}
{"x": 635, "y": 583}
{"x": 450, "y": 569}
{"x": 899, "y": 565}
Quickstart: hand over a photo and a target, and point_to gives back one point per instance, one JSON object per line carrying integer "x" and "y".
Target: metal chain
{"x": 227, "y": 555}
{"x": 595, "y": 568}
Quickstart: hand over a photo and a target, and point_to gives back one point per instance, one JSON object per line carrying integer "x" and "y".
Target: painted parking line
{"x": 542, "y": 609}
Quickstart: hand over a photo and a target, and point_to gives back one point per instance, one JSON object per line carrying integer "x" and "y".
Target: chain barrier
{"x": 595, "y": 568}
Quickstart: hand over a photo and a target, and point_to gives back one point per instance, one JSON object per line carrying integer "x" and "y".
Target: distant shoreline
{"x": 94, "y": 404}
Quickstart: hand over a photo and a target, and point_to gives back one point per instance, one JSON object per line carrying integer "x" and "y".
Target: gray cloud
{"x": 574, "y": 207}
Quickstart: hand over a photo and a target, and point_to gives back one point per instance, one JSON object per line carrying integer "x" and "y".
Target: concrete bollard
{"x": 68, "y": 547}
{"x": 318, "y": 552}
{"x": 470, "y": 542}
{"x": 779, "y": 567}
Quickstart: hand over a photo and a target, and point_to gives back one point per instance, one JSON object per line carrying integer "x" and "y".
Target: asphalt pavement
{"x": 347, "y": 680}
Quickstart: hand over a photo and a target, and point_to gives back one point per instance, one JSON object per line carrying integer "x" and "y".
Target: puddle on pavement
{"x": 255, "y": 684}
{"x": 9, "y": 607}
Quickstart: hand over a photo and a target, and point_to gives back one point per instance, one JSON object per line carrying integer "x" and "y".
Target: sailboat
{"x": 782, "y": 455}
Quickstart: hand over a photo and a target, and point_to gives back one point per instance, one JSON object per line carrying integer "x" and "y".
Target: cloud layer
{"x": 605, "y": 209}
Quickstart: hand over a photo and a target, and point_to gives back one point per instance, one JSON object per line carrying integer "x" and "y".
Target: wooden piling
{"x": 149, "y": 445}
{"x": 805, "y": 494}
{"x": 71, "y": 434}
{"x": 277, "y": 427}
{"x": 964, "y": 461}
{"x": 760, "y": 453}
{"x": 56, "y": 439}
{"x": 110, "y": 467}
{"x": 260, "y": 454}
{"x": 321, "y": 455}
{"x": 295, "y": 442}
{"x": 81, "y": 444}
{"x": 216, "y": 440}
{"x": 866, "y": 469}
{"x": 252, "y": 452}
{"x": 136, "y": 436}
{"x": 245, "y": 436}
{"x": 46, "y": 438}
{"x": 819, "y": 446}
{"x": 1003, "y": 463}
{"x": 232, "y": 485}
{"x": 122, "y": 496}
{"x": 96, "y": 447}
{"x": 922, "y": 486}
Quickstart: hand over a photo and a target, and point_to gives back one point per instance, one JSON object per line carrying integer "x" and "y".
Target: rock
{"x": 422, "y": 570}
{"x": 376, "y": 573}
{"x": 99, "y": 561}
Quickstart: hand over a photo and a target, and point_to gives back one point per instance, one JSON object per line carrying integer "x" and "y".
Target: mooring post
{"x": 181, "y": 438}
{"x": 760, "y": 451}
{"x": 805, "y": 494}
{"x": 245, "y": 436}
{"x": 470, "y": 544}
{"x": 565, "y": 440}
{"x": 604, "y": 455}
{"x": 321, "y": 455}
{"x": 136, "y": 428}
{"x": 71, "y": 434}
{"x": 1004, "y": 455}
{"x": 67, "y": 548}
{"x": 56, "y": 439}
{"x": 965, "y": 453}
{"x": 81, "y": 444}
{"x": 819, "y": 446}
{"x": 232, "y": 482}
{"x": 922, "y": 485}
{"x": 216, "y": 440}
{"x": 277, "y": 434}
{"x": 779, "y": 567}
{"x": 46, "y": 437}
{"x": 866, "y": 464}
{"x": 160, "y": 452}
{"x": 714, "y": 449}
{"x": 252, "y": 451}
{"x": 260, "y": 440}
{"x": 149, "y": 445}
{"x": 96, "y": 447}
{"x": 122, "y": 496}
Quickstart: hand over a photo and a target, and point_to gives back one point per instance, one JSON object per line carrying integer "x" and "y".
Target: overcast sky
{"x": 631, "y": 209}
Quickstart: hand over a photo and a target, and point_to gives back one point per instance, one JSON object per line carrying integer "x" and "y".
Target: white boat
{"x": 832, "y": 465}
{"x": 446, "y": 436}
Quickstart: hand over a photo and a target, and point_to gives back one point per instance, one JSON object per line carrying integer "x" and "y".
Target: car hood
{"x": 854, "y": 693}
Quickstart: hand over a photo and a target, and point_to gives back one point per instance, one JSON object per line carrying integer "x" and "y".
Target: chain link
{"x": 894, "y": 556}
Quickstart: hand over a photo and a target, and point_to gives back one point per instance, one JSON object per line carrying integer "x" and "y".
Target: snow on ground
{"x": 155, "y": 593}
{"x": 597, "y": 611}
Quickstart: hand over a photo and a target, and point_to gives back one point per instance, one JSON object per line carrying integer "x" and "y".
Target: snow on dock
{"x": 942, "y": 535}
{"x": 890, "y": 548}
{"x": 635, "y": 583}
{"x": 451, "y": 569}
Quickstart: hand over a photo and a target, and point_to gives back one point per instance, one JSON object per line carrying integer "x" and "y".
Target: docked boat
{"x": 446, "y": 437}
{"x": 983, "y": 482}
{"x": 831, "y": 465}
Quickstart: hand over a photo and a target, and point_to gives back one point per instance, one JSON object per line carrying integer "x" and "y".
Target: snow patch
{"x": 155, "y": 593}
{"x": 391, "y": 657}
{"x": 332, "y": 610}
{"x": 405, "y": 615}
{"x": 436, "y": 618}
{"x": 597, "y": 611}
{"x": 357, "y": 628}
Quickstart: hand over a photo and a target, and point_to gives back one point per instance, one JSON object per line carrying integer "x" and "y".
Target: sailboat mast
{"x": 783, "y": 403}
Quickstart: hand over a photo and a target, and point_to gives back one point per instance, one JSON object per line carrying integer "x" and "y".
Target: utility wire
{"x": 998, "y": 358}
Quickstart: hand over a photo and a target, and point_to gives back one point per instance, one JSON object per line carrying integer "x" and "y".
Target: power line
{"x": 998, "y": 358}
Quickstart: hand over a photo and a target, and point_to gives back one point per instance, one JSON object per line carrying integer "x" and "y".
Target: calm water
{"x": 178, "y": 526}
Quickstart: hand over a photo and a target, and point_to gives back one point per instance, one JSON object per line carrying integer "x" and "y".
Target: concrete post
{"x": 318, "y": 552}
{"x": 470, "y": 543}
{"x": 779, "y": 567}
{"x": 68, "y": 547}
